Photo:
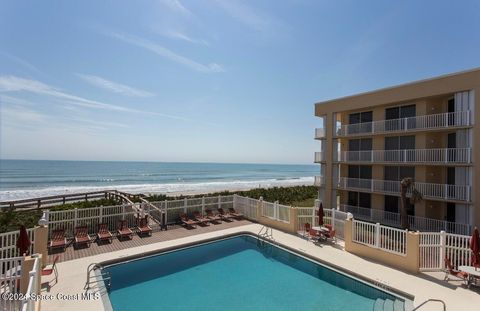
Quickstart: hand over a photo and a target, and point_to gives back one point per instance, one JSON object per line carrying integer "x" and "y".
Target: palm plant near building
{"x": 407, "y": 184}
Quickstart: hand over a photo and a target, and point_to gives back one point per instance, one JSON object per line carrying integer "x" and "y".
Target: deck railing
{"x": 430, "y": 121}
{"x": 415, "y": 222}
{"x": 319, "y": 133}
{"x": 428, "y": 190}
{"x": 319, "y": 157}
{"x": 431, "y": 156}
{"x": 33, "y": 281}
{"x": 10, "y": 274}
{"x": 319, "y": 181}
{"x": 8, "y": 241}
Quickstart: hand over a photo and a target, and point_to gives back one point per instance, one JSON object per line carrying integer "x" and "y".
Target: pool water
{"x": 239, "y": 273}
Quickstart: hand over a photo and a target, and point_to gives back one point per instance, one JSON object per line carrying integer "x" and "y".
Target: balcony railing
{"x": 415, "y": 222}
{"x": 435, "y": 156}
{"x": 428, "y": 190}
{"x": 430, "y": 121}
{"x": 319, "y": 181}
{"x": 319, "y": 157}
{"x": 319, "y": 133}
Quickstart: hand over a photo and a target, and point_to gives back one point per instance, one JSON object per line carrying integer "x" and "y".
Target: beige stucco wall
{"x": 409, "y": 263}
{"x": 280, "y": 225}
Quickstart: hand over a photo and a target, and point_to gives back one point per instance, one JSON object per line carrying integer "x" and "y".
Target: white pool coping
{"x": 72, "y": 274}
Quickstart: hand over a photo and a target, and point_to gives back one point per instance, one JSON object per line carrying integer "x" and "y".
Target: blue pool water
{"x": 235, "y": 274}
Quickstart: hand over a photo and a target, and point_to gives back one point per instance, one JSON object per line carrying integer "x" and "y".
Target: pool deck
{"x": 72, "y": 273}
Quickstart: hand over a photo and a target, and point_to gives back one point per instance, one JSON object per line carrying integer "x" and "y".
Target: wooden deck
{"x": 173, "y": 232}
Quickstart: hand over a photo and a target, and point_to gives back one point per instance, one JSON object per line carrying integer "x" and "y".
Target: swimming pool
{"x": 239, "y": 273}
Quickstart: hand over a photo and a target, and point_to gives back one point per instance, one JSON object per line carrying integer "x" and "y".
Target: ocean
{"x": 34, "y": 178}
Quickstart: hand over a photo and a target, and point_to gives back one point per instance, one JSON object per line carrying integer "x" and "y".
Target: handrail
{"x": 432, "y": 300}
{"x": 92, "y": 267}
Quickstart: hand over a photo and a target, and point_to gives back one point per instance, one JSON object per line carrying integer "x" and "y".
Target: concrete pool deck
{"x": 72, "y": 273}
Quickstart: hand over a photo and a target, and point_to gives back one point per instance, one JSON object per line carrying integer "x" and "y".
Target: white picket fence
{"x": 382, "y": 237}
{"x": 9, "y": 239}
{"x": 247, "y": 206}
{"x": 436, "y": 246}
{"x": 10, "y": 280}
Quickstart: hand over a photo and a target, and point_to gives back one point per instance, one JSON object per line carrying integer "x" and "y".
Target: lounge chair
{"x": 201, "y": 220}
{"x": 224, "y": 215}
{"x": 58, "y": 239}
{"x": 212, "y": 217}
{"x": 451, "y": 271}
{"x": 123, "y": 230}
{"x": 52, "y": 269}
{"x": 143, "y": 227}
{"x": 234, "y": 213}
{"x": 187, "y": 221}
{"x": 82, "y": 237}
{"x": 104, "y": 234}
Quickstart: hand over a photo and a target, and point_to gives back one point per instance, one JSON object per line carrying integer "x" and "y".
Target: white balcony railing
{"x": 319, "y": 157}
{"x": 319, "y": 181}
{"x": 319, "y": 133}
{"x": 428, "y": 190}
{"x": 436, "y": 156}
{"x": 415, "y": 222}
{"x": 430, "y": 121}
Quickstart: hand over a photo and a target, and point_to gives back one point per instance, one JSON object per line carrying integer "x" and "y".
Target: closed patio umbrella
{"x": 320, "y": 214}
{"x": 475, "y": 247}
{"x": 23, "y": 242}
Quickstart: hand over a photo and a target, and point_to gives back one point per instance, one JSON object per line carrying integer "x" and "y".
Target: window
{"x": 360, "y": 118}
{"x": 397, "y": 173}
{"x": 392, "y": 204}
{"x": 360, "y": 199}
{"x": 400, "y": 142}
{"x": 360, "y": 171}
{"x": 397, "y": 116}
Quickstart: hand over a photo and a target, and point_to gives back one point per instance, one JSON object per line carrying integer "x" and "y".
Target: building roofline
{"x": 398, "y": 86}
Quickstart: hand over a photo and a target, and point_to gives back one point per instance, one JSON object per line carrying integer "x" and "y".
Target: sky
{"x": 208, "y": 81}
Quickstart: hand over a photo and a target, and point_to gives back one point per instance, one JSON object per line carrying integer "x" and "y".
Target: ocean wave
{"x": 167, "y": 188}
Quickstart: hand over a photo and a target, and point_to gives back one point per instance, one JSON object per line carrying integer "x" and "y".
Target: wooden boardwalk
{"x": 173, "y": 232}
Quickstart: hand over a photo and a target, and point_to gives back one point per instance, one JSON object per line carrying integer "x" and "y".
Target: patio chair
{"x": 331, "y": 235}
{"x": 143, "y": 227}
{"x": 189, "y": 223}
{"x": 314, "y": 235}
{"x": 82, "y": 237}
{"x": 451, "y": 271}
{"x": 52, "y": 270}
{"x": 104, "y": 234}
{"x": 212, "y": 217}
{"x": 224, "y": 215}
{"x": 234, "y": 213}
{"x": 58, "y": 239}
{"x": 123, "y": 230}
{"x": 201, "y": 220}
{"x": 305, "y": 232}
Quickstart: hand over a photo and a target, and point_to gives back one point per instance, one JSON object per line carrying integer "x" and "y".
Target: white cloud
{"x": 166, "y": 53}
{"x": 181, "y": 36}
{"x": 246, "y": 15}
{"x": 20, "y": 61}
{"x": 114, "y": 86}
{"x": 16, "y": 84}
{"x": 177, "y": 6}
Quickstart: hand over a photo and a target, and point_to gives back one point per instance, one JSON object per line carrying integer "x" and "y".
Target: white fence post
{"x": 333, "y": 218}
{"x": 377, "y": 235}
{"x": 100, "y": 214}
{"x": 260, "y": 202}
{"x": 219, "y": 201}
{"x": 275, "y": 210}
{"x": 185, "y": 202}
{"x": 443, "y": 247}
{"x": 203, "y": 205}
{"x": 123, "y": 211}
{"x": 75, "y": 219}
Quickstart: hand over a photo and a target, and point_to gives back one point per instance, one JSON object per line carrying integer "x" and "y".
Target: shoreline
{"x": 155, "y": 189}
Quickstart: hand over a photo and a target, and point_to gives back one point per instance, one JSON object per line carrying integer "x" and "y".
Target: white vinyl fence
{"x": 33, "y": 281}
{"x": 9, "y": 282}
{"x": 436, "y": 246}
{"x": 246, "y": 206}
{"x": 382, "y": 237}
{"x": 9, "y": 239}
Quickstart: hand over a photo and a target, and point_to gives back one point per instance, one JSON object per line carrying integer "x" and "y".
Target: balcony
{"x": 424, "y": 156}
{"x": 415, "y": 222}
{"x": 319, "y": 157}
{"x": 417, "y": 123}
{"x": 392, "y": 187}
{"x": 319, "y": 133}
{"x": 319, "y": 181}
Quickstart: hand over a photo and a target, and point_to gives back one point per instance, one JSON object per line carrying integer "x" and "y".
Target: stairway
{"x": 388, "y": 305}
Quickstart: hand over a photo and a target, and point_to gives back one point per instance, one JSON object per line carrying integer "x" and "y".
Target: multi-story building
{"x": 425, "y": 130}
